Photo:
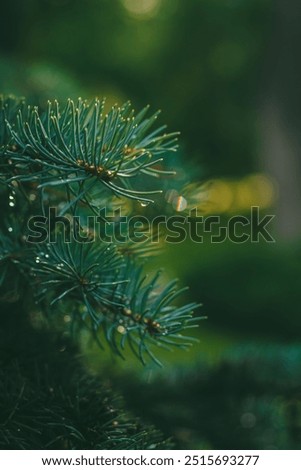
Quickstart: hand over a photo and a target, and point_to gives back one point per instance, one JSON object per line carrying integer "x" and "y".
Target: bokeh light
{"x": 142, "y": 8}
{"x": 221, "y": 196}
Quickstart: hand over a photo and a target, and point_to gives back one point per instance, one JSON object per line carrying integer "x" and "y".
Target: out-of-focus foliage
{"x": 39, "y": 82}
{"x": 48, "y": 401}
{"x": 253, "y": 288}
{"x": 250, "y": 400}
{"x": 201, "y": 61}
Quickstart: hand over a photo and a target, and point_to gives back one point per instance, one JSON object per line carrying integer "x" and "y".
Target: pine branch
{"x": 148, "y": 316}
{"x": 86, "y": 272}
{"x": 103, "y": 288}
{"x": 56, "y": 405}
{"x": 112, "y": 296}
{"x": 9, "y": 108}
{"x": 81, "y": 145}
{"x": 79, "y": 148}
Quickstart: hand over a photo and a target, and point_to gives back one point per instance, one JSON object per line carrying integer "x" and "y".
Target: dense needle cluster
{"x": 58, "y": 157}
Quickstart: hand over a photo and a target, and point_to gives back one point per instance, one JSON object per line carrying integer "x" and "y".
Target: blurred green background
{"x": 226, "y": 73}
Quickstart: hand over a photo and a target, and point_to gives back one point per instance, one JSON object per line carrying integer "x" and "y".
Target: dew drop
{"x": 121, "y": 329}
{"x": 180, "y": 204}
{"x": 10, "y": 229}
{"x": 144, "y": 203}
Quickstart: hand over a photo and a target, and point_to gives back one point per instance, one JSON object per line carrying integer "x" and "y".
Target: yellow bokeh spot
{"x": 230, "y": 196}
{"x": 142, "y": 8}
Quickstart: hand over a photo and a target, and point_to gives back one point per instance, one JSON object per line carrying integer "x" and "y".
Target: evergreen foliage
{"x": 78, "y": 148}
{"x": 77, "y": 159}
{"x": 48, "y": 401}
